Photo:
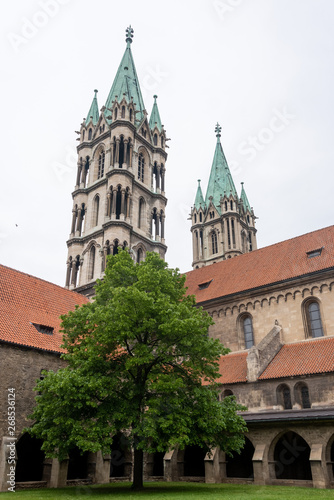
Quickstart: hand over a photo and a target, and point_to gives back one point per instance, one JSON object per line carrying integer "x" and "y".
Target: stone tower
{"x": 223, "y": 224}
{"x": 119, "y": 197}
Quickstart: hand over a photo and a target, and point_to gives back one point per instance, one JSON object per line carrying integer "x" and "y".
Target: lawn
{"x": 177, "y": 491}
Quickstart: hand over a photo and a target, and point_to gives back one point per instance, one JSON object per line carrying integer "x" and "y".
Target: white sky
{"x": 242, "y": 63}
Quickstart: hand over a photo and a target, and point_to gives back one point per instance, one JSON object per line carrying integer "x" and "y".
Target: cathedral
{"x": 272, "y": 307}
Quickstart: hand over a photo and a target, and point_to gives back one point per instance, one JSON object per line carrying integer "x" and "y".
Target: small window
{"x": 155, "y": 139}
{"x": 123, "y": 112}
{"x": 248, "y": 332}
{"x": 227, "y": 393}
{"x": 231, "y": 205}
{"x": 204, "y": 285}
{"x": 141, "y": 165}
{"x": 314, "y": 253}
{"x": 214, "y": 243}
{"x": 90, "y": 132}
{"x": 47, "y": 330}
{"x": 195, "y": 218}
{"x": 225, "y": 206}
{"x": 115, "y": 113}
{"x": 200, "y": 217}
{"x": 130, "y": 115}
{"x": 305, "y": 397}
{"x": 287, "y": 399}
{"x": 314, "y": 320}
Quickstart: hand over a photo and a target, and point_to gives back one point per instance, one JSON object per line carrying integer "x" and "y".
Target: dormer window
{"x": 204, "y": 285}
{"x": 314, "y": 253}
{"x": 47, "y": 330}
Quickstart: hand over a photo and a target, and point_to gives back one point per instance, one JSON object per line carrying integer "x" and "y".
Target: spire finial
{"x": 96, "y": 91}
{"x": 218, "y": 130}
{"x": 129, "y": 35}
{"x": 199, "y": 182}
{"x": 155, "y": 97}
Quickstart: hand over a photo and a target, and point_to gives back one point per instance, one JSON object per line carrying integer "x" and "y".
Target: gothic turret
{"x": 223, "y": 225}
{"x": 119, "y": 198}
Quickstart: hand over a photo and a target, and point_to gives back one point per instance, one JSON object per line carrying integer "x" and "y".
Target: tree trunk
{"x": 138, "y": 463}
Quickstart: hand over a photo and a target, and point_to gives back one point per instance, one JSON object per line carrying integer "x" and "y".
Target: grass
{"x": 176, "y": 491}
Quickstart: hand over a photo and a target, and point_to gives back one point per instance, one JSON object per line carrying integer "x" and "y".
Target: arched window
{"x": 200, "y": 217}
{"x": 305, "y": 397}
{"x": 231, "y": 204}
{"x": 248, "y": 332}
{"x": 214, "y": 244}
{"x": 284, "y": 396}
{"x": 195, "y": 218}
{"x": 314, "y": 320}
{"x": 155, "y": 139}
{"x": 100, "y": 172}
{"x": 226, "y": 393}
{"x": 118, "y": 202}
{"x": 115, "y": 114}
{"x": 115, "y": 249}
{"x": 130, "y": 115}
{"x": 139, "y": 255}
{"x": 123, "y": 112}
{"x": 141, "y": 164}
{"x": 250, "y": 241}
{"x": 90, "y": 132}
{"x": 91, "y": 263}
{"x": 83, "y": 135}
{"x": 225, "y": 206}
{"x": 121, "y": 152}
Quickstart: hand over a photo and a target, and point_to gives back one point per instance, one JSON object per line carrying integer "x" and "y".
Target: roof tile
{"x": 25, "y": 300}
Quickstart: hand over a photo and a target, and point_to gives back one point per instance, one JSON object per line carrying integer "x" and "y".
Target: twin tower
{"x": 119, "y": 198}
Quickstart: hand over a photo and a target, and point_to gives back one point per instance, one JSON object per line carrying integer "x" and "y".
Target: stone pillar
{"x": 125, "y": 162}
{"x": 122, "y": 201}
{"x": 58, "y": 473}
{"x": 128, "y": 206}
{"x": 213, "y": 469}
{"x": 108, "y": 204}
{"x": 114, "y": 196}
{"x": 117, "y": 153}
{"x": 68, "y": 273}
{"x": 156, "y": 221}
{"x": 318, "y": 467}
{"x": 79, "y": 174}
{"x": 130, "y": 155}
{"x": 102, "y": 473}
{"x": 162, "y": 180}
{"x": 162, "y": 218}
{"x": 171, "y": 466}
{"x": 74, "y": 219}
{"x": 259, "y": 465}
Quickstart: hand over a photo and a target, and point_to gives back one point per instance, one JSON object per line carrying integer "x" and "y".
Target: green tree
{"x": 139, "y": 359}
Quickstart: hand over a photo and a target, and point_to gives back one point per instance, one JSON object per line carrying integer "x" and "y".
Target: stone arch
{"x": 242, "y": 308}
{"x": 297, "y": 292}
{"x": 235, "y": 309}
{"x": 290, "y": 455}
{"x": 264, "y": 302}
{"x": 257, "y": 303}
{"x": 288, "y": 296}
{"x": 331, "y": 285}
{"x": 155, "y": 464}
{"x": 305, "y": 292}
{"x": 96, "y": 210}
{"x": 221, "y": 312}
{"x": 193, "y": 460}
{"x": 240, "y": 465}
{"x": 324, "y": 287}
{"x": 272, "y": 299}
{"x": 249, "y": 306}
{"x": 77, "y": 464}
{"x": 315, "y": 290}
{"x": 30, "y": 459}
{"x": 120, "y": 456}
{"x": 330, "y": 457}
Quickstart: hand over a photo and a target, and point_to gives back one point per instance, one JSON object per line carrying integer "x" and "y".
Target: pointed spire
{"x": 220, "y": 180}
{"x": 155, "y": 116}
{"x": 199, "y": 200}
{"x": 93, "y": 113}
{"x": 244, "y": 199}
{"x": 126, "y": 82}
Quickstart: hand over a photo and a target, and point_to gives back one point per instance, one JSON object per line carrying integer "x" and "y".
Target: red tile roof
{"x": 303, "y": 358}
{"x": 275, "y": 263}
{"x": 24, "y": 300}
{"x": 233, "y": 368}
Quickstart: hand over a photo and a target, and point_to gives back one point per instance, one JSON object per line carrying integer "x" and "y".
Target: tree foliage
{"x": 139, "y": 359}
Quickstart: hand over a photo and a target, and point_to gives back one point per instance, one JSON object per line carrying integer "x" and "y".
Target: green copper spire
{"x": 126, "y": 83}
{"x": 93, "y": 113}
{"x": 199, "y": 200}
{"x": 244, "y": 199}
{"x": 155, "y": 116}
{"x": 220, "y": 181}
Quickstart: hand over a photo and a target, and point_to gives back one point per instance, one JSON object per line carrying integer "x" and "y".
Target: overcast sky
{"x": 262, "y": 68}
